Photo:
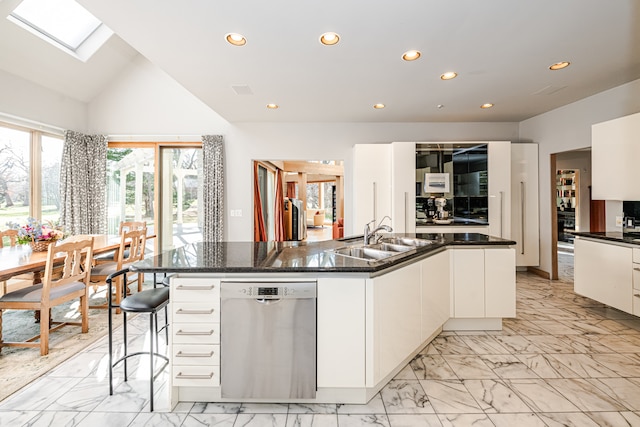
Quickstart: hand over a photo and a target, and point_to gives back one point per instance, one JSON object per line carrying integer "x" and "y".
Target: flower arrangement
{"x": 34, "y": 232}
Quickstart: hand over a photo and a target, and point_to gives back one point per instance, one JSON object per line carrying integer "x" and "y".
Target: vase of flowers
{"x": 38, "y": 235}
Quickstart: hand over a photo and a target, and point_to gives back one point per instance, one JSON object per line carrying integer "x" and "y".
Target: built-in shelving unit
{"x": 567, "y": 192}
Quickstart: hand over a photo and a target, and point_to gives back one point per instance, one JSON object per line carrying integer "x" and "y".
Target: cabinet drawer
{"x": 196, "y": 312}
{"x": 194, "y": 333}
{"x": 195, "y": 290}
{"x": 190, "y": 354}
{"x": 196, "y": 376}
{"x": 636, "y": 255}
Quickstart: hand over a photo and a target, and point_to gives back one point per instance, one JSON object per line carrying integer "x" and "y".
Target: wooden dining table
{"x": 19, "y": 259}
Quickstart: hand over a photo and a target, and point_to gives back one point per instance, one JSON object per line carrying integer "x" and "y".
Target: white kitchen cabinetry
{"x": 499, "y": 171}
{"x": 341, "y": 332}
{"x": 614, "y": 159}
{"x": 636, "y": 281}
{"x": 499, "y": 283}
{"x": 403, "y": 188}
{"x": 604, "y": 272}
{"x": 195, "y": 332}
{"x": 524, "y": 204}
{"x": 435, "y": 293}
{"x": 394, "y": 325}
{"x": 483, "y": 284}
{"x": 371, "y": 184}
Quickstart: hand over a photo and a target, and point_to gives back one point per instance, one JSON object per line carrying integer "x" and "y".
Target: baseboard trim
{"x": 539, "y": 272}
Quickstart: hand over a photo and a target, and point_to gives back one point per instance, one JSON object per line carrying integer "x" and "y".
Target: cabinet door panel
{"x": 436, "y": 291}
{"x": 603, "y": 272}
{"x": 468, "y": 283}
{"x": 500, "y": 283}
{"x": 399, "y": 316}
{"x": 499, "y": 173}
{"x": 524, "y": 203}
{"x": 341, "y": 332}
{"x": 403, "y": 177}
{"x": 371, "y": 184}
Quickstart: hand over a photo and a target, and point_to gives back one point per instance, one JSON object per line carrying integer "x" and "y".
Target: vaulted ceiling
{"x": 501, "y": 50}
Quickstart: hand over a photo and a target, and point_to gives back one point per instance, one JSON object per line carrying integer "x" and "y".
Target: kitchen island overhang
{"x": 372, "y": 317}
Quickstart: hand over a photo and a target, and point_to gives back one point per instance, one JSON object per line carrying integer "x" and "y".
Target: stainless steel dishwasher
{"x": 268, "y": 340}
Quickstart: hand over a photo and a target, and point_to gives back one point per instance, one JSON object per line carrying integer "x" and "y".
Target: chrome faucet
{"x": 368, "y": 233}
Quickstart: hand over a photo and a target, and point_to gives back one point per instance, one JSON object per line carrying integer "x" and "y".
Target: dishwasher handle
{"x": 268, "y": 301}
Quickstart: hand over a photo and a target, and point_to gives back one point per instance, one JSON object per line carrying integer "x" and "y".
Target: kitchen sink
{"x": 363, "y": 252}
{"x": 407, "y": 241}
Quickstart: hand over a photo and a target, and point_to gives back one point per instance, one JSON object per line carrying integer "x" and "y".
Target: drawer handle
{"x": 636, "y": 268}
{"x": 181, "y": 354}
{"x": 183, "y": 311}
{"x": 181, "y": 332}
{"x": 636, "y": 295}
{"x": 195, "y": 377}
{"x": 195, "y": 287}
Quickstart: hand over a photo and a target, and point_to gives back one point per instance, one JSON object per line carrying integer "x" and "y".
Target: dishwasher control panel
{"x": 270, "y": 290}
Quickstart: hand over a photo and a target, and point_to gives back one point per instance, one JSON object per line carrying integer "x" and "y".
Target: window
{"x": 29, "y": 175}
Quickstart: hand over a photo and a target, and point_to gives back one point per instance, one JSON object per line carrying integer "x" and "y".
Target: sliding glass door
{"x": 159, "y": 183}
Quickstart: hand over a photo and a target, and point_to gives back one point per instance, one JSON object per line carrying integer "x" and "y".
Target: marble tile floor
{"x": 564, "y": 361}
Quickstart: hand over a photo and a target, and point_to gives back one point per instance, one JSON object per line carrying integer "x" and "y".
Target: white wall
{"x": 569, "y": 128}
{"x": 28, "y": 101}
{"x": 144, "y": 100}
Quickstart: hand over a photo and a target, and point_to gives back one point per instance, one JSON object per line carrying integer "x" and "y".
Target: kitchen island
{"x": 372, "y": 316}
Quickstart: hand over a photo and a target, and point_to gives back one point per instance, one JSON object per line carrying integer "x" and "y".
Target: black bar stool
{"x": 149, "y": 301}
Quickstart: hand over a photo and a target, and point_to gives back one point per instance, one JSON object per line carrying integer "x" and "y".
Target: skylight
{"x": 63, "y": 21}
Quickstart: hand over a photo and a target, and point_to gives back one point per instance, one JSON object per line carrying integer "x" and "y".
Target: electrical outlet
{"x": 235, "y": 212}
{"x": 618, "y": 221}
{"x": 238, "y": 212}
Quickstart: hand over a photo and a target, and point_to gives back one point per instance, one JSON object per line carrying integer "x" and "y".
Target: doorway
{"x": 312, "y": 189}
{"x": 571, "y": 207}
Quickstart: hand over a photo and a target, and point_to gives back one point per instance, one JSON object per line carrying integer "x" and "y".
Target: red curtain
{"x": 279, "y": 209}
{"x": 291, "y": 190}
{"x": 259, "y": 232}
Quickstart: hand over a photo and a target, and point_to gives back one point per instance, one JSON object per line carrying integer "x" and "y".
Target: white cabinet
{"x": 604, "y": 272}
{"x": 483, "y": 283}
{"x": 341, "y": 332}
{"x": 499, "y": 283}
{"x": 524, "y": 204}
{"x": 614, "y": 159}
{"x": 371, "y": 184}
{"x": 636, "y": 281}
{"x": 394, "y": 320}
{"x": 499, "y": 171}
{"x": 435, "y": 277}
{"x": 195, "y": 332}
{"x": 468, "y": 283}
{"x": 403, "y": 185}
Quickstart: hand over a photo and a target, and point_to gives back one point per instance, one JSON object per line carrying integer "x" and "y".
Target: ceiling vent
{"x": 549, "y": 90}
{"x": 242, "y": 90}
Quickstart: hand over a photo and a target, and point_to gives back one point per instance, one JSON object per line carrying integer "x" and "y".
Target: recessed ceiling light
{"x": 272, "y": 106}
{"x": 411, "y": 55}
{"x": 439, "y": 106}
{"x": 449, "y": 75}
{"x": 487, "y": 105}
{"x": 378, "y": 106}
{"x": 236, "y": 39}
{"x": 559, "y": 65}
{"x": 329, "y": 39}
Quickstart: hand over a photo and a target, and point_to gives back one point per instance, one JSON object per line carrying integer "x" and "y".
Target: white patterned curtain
{"x": 83, "y": 182}
{"x": 213, "y": 188}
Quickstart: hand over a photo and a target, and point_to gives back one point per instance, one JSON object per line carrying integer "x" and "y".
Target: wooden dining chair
{"x": 124, "y": 226}
{"x": 132, "y": 243}
{"x": 16, "y": 282}
{"x": 75, "y": 257}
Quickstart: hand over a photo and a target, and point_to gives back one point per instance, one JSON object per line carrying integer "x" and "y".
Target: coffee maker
{"x": 441, "y": 213}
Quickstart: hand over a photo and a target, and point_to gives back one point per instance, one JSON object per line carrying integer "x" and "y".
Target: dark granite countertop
{"x": 611, "y": 236}
{"x": 298, "y": 257}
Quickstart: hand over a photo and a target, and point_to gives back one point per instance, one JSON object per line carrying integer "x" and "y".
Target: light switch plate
{"x": 618, "y": 221}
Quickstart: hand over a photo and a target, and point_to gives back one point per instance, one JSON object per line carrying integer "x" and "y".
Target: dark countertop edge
{"x": 373, "y": 267}
{"x": 611, "y": 236}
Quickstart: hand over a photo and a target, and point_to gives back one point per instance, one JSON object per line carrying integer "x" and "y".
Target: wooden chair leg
{"x": 140, "y": 280}
{"x": 84, "y": 311}
{"x": 44, "y": 332}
